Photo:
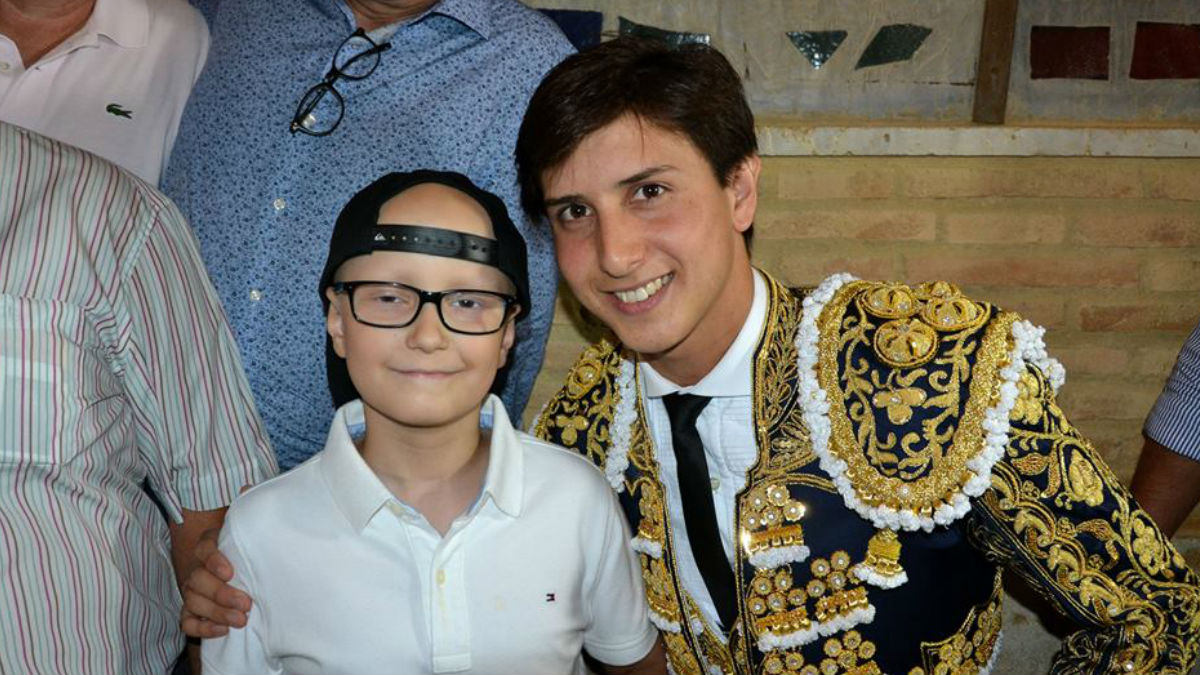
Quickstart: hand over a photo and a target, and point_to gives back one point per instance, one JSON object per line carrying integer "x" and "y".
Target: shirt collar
{"x": 732, "y": 376}
{"x": 125, "y": 22}
{"x": 474, "y": 14}
{"x": 356, "y": 489}
{"x": 506, "y": 464}
{"x": 359, "y": 493}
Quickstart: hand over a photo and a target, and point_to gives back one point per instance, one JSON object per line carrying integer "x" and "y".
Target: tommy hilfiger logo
{"x": 116, "y": 109}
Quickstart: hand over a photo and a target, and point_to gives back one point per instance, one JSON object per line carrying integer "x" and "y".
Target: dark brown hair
{"x": 690, "y": 89}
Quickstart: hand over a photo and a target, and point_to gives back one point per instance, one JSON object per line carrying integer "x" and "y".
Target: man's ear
{"x": 506, "y": 341}
{"x": 335, "y": 323}
{"x": 743, "y": 191}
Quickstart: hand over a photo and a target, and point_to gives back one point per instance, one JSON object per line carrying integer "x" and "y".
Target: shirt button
{"x": 280, "y": 203}
{"x": 441, "y": 577}
{"x": 5, "y": 66}
{"x": 255, "y": 295}
{"x": 715, "y": 483}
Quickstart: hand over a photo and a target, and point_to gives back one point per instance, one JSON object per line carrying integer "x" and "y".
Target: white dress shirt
{"x": 117, "y": 87}
{"x": 348, "y": 579}
{"x": 726, "y": 428}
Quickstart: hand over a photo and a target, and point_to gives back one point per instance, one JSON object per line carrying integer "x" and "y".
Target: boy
{"x": 429, "y": 535}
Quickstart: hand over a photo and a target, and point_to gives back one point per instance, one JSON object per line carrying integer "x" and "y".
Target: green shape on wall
{"x": 817, "y": 46}
{"x": 893, "y": 43}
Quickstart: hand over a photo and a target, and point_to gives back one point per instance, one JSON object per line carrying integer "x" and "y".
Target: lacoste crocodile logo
{"x": 116, "y": 109}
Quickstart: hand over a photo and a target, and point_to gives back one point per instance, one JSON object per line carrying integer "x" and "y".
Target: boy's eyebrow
{"x": 624, "y": 182}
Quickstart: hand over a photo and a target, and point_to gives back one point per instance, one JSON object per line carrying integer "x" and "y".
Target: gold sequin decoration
{"x": 770, "y": 518}
{"x": 1077, "y": 526}
{"x": 775, "y": 606}
{"x": 916, "y": 471}
{"x": 889, "y": 301}
{"x": 883, "y": 554}
{"x": 970, "y": 648}
{"x": 849, "y": 654}
{"x": 905, "y": 343}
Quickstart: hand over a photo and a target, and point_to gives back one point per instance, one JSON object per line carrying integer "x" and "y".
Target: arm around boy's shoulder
{"x": 241, "y": 650}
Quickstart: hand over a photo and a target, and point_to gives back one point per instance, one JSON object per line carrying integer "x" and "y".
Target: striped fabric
{"x": 116, "y": 365}
{"x": 1174, "y": 422}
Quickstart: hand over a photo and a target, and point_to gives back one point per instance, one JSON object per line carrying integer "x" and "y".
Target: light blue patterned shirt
{"x": 449, "y": 94}
{"x": 1174, "y": 422}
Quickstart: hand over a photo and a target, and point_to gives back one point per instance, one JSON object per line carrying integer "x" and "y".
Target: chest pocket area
{"x": 58, "y": 393}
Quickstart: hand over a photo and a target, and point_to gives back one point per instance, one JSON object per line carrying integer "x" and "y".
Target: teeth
{"x": 644, "y": 292}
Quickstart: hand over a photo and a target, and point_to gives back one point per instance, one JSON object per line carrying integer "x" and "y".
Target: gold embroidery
{"x": 585, "y": 404}
{"x": 1028, "y": 407}
{"x": 924, "y": 465}
{"x": 1112, "y": 564}
{"x": 783, "y": 441}
{"x": 841, "y": 603}
{"x": 899, "y": 403}
{"x": 889, "y": 301}
{"x": 1083, "y": 483}
{"x": 883, "y": 554}
{"x": 905, "y": 343}
{"x": 970, "y": 649}
{"x": 945, "y": 309}
{"x": 850, "y": 654}
{"x": 680, "y": 655}
{"x": 776, "y": 606}
{"x": 770, "y": 519}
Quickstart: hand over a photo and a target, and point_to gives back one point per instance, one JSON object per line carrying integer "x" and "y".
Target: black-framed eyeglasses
{"x": 389, "y": 304}
{"x": 362, "y": 60}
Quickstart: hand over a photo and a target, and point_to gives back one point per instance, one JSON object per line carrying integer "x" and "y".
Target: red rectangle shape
{"x": 1166, "y": 51}
{"x": 1075, "y": 52}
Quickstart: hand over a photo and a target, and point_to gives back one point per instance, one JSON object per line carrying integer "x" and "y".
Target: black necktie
{"x": 699, "y": 514}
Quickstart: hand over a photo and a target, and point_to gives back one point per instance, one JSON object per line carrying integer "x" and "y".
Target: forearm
{"x": 185, "y": 536}
{"x": 1166, "y": 485}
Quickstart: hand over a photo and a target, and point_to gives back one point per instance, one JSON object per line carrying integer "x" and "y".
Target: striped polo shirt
{"x": 1174, "y": 422}
{"x": 116, "y": 366}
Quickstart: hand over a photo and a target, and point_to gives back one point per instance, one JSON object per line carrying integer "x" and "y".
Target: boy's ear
{"x": 335, "y": 323}
{"x": 743, "y": 191}
{"x": 506, "y": 342}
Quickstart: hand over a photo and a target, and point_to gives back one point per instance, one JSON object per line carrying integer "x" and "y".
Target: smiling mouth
{"x": 644, "y": 292}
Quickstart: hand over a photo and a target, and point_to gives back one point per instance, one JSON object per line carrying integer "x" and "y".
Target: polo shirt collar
{"x": 125, "y": 22}
{"x": 732, "y": 376}
{"x": 359, "y": 493}
{"x": 356, "y": 489}
{"x": 504, "y": 482}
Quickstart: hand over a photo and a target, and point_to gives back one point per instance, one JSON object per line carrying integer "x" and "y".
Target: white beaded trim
{"x": 1027, "y": 344}
{"x": 769, "y": 641}
{"x": 624, "y": 415}
{"x": 646, "y": 546}
{"x": 868, "y": 574}
{"x": 845, "y": 622}
{"x": 663, "y": 624}
{"x": 778, "y": 557}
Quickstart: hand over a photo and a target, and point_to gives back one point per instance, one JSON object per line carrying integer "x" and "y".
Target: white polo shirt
{"x": 347, "y": 579}
{"x": 117, "y": 87}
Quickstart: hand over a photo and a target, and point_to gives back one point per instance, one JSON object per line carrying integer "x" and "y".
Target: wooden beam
{"x": 995, "y": 61}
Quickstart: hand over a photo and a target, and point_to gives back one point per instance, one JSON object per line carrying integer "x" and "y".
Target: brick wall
{"x": 1104, "y": 252}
